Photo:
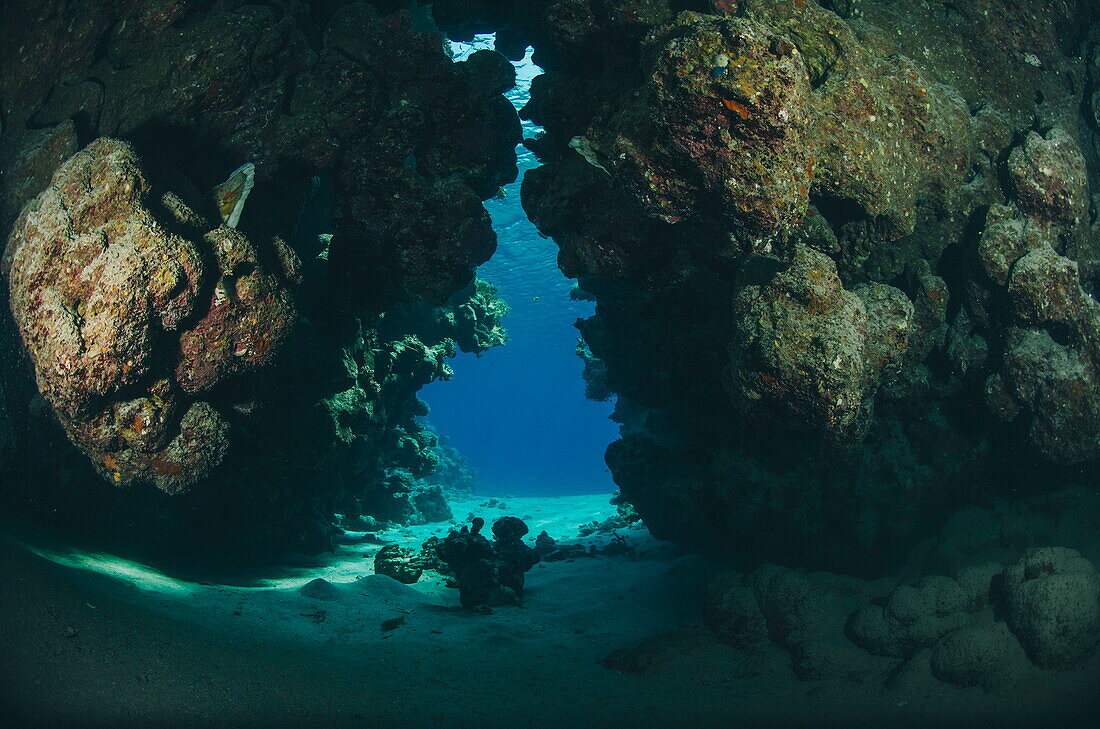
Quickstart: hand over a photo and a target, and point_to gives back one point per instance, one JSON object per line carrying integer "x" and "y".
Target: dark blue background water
{"x": 518, "y": 412}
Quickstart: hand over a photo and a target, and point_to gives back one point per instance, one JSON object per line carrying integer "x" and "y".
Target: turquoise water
{"x": 518, "y": 412}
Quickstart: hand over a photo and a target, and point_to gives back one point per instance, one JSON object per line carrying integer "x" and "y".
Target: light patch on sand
{"x": 141, "y": 576}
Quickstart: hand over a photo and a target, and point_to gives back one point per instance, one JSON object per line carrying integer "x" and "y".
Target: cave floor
{"x": 89, "y": 640}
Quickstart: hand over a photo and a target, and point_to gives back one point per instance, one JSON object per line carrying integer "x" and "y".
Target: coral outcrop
{"x": 1053, "y": 597}
{"x": 815, "y": 352}
{"x": 130, "y": 325}
{"x": 827, "y": 242}
{"x": 916, "y": 616}
{"x": 399, "y": 563}
{"x": 488, "y": 574}
{"x": 372, "y": 152}
{"x": 986, "y": 627}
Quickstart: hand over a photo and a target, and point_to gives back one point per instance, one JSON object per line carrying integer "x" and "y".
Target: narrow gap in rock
{"x": 518, "y": 413}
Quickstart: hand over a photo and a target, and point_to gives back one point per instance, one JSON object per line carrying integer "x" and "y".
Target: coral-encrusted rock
{"x": 1050, "y": 371}
{"x": 509, "y": 529}
{"x": 1054, "y": 389}
{"x": 810, "y": 353}
{"x": 1006, "y": 238}
{"x": 1049, "y": 178}
{"x": 91, "y": 272}
{"x": 983, "y": 655}
{"x": 395, "y": 561}
{"x": 1048, "y": 380}
{"x": 104, "y": 292}
{"x": 489, "y": 573}
{"x": 248, "y": 314}
{"x": 1045, "y": 289}
{"x": 904, "y": 131}
{"x": 886, "y": 136}
{"x": 745, "y": 117}
{"x": 1053, "y": 597}
{"x": 469, "y": 555}
{"x": 728, "y": 98}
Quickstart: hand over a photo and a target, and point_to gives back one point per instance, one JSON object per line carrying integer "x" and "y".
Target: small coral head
{"x": 476, "y": 524}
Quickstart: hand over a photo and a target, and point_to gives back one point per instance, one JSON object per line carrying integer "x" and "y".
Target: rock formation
{"x": 952, "y": 629}
{"x": 131, "y": 325}
{"x": 181, "y": 353}
{"x": 842, "y": 254}
{"x": 488, "y": 574}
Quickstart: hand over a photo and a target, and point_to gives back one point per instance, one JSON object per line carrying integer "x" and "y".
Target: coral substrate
{"x": 842, "y": 255}
{"x": 238, "y": 386}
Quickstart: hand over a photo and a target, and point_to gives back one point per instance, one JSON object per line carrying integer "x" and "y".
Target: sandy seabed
{"x": 90, "y": 640}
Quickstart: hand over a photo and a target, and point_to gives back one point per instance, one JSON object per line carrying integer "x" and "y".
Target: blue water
{"x": 518, "y": 412}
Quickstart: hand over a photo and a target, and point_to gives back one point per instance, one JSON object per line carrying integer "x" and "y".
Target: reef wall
{"x": 842, "y": 253}
{"x": 236, "y": 384}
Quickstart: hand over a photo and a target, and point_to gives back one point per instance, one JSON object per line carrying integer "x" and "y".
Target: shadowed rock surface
{"x": 843, "y": 255}
{"x": 186, "y": 357}
{"x": 879, "y": 210}
{"x": 843, "y": 273}
{"x": 129, "y": 325}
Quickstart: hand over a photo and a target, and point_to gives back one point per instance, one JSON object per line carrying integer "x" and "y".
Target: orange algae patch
{"x": 737, "y": 107}
{"x": 164, "y": 468}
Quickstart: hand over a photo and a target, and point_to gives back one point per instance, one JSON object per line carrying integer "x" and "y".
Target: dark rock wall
{"x": 265, "y": 385}
{"x": 842, "y": 253}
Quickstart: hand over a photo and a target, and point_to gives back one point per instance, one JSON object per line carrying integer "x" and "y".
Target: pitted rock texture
{"x": 981, "y": 655}
{"x": 346, "y": 91}
{"x": 1048, "y": 381}
{"x": 1049, "y": 178}
{"x": 115, "y": 310}
{"x": 728, "y": 99}
{"x": 914, "y": 617}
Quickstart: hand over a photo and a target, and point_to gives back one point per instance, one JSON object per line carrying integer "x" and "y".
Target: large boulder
{"x": 1053, "y": 599}
{"x": 981, "y": 655}
{"x": 133, "y": 306}
{"x": 811, "y": 354}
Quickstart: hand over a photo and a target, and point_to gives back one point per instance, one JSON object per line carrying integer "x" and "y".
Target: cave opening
{"x": 339, "y": 458}
{"x": 518, "y": 413}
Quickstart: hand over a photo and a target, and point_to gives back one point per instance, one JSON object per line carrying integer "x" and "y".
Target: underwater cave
{"x": 519, "y": 414}
{"x": 542, "y": 363}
